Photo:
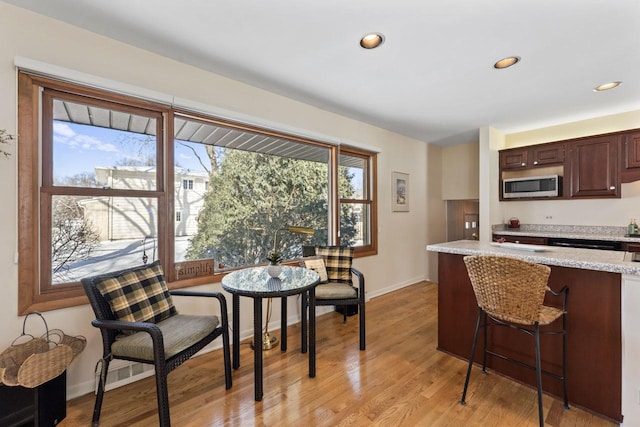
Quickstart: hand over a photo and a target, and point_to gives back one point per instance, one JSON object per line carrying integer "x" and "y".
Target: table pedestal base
{"x": 268, "y": 341}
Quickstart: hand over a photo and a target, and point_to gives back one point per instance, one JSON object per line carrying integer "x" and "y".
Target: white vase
{"x": 274, "y": 270}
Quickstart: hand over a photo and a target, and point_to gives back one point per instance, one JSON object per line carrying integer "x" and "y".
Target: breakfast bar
{"x": 595, "y": 320}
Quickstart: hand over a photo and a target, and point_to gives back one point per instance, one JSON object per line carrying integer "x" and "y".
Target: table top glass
{"x": 256, "y": 282}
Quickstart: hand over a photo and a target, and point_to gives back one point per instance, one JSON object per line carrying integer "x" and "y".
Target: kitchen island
{"x": 595, "y": 322}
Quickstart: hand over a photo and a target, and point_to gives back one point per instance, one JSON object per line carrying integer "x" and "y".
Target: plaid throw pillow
{"x": 337, "y": 260}
{"x": 138, "y": 295}
{"x": 316, "y": 263}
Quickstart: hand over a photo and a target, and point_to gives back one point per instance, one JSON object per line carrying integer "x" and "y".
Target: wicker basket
{"x": 31, "y": 361}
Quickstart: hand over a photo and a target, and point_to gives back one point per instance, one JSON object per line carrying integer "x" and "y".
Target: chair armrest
{"x": 150, "y": 328}
{"x": 565, "y": 291}
{"x": 360, "y": 277}
{"x": 126, "y": 326}
{"x": 208, "y": 294}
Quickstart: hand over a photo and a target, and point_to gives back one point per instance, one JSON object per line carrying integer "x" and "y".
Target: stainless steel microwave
{"x": 532, "y": 186}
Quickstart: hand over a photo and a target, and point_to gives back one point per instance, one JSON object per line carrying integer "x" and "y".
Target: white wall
{"x": 436, "y": 208}
{"x": 491, "y": 141}
{"x": 609, "y": 212}
{"x": 460, "y": 172}
{"x": 402, "y": 258}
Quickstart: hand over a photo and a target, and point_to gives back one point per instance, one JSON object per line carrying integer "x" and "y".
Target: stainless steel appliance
{"x": 532, "y": 186}
{"x": 606, "y": 245}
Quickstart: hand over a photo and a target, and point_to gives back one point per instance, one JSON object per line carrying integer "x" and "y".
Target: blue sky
{"x": 80, "y": 148}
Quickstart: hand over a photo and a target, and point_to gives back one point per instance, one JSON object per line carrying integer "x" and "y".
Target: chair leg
{"x": 538, "y": 373}
{"x": 100, "y": 393}
{"x": 228, "y": 379}
{"x": 303, "y": 322}
{"x": 473, "y": 352}
{"x": 162, "y": 392}
{"x": 363, "y": 335}
{"x": 283, "y": 324}
{"x": 484, "y": 351}
{"x": 564, "y": 360}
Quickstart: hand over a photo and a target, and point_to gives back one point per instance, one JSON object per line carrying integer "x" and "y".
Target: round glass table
{"x": 257, "y": 284}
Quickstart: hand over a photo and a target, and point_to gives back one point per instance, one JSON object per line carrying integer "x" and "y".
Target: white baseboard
{"x": 394, "y": 287}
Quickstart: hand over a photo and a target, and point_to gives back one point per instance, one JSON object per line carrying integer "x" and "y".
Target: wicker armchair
{"x": 166, "y": 344}
{"x": 339, "y": 289}
{"x": 510, "y": 292}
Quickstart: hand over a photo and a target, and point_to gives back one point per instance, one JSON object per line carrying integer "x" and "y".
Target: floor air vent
{"x": 122, "y": 372}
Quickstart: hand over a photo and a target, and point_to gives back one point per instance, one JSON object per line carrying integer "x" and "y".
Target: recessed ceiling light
{"x": 371, "y": 40}
{"x": 506, "y": 62}
{"x": 607, "y": 86}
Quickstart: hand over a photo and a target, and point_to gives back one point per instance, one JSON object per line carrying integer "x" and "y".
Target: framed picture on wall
{"x": 400, "y": 192}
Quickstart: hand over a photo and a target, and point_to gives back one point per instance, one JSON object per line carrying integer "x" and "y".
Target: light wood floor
{"x": 400, "y": 380}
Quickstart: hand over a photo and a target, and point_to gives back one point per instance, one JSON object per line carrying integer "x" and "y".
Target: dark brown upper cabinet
{"x": 630, "y": 146}
{"x": 593, "y": 167}
{"x": 532, "y": 156}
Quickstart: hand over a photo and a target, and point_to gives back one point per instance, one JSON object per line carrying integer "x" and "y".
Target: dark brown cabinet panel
{"x": 630, "y": 145}
{"x": 593, "y": 164}
{"x": 631, "y": 247}
{"x": 514, "y": 159}
{"x": 547, "y": 154}
{"x": 531, "y": 157}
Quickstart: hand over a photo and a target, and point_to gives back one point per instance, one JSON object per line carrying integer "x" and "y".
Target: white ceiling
{"x": 432, "y": 79}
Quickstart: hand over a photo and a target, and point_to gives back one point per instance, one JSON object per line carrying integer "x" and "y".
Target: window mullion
{"x": 334, "y": 198}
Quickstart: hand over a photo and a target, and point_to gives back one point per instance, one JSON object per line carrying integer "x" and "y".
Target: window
{"x": 259, "y": 182}
{"x": 92, "y": 167}
{"x": 356, "y": 202}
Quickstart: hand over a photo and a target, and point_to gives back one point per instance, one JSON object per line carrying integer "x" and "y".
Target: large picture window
{"x": 113, "y": 181}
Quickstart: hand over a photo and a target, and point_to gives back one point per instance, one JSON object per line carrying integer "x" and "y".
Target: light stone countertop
{"x": 586, "y": 259}
{"x": 568, "y": 235}
{"x": 606, "y": 233}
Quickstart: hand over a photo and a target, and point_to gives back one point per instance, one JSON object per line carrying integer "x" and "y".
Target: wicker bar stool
{"x": 510, "y": 292}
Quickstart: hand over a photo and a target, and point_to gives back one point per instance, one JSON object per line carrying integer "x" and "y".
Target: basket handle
{"x": 24, "y": 324}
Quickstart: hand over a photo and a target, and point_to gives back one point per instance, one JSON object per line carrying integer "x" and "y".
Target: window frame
{"x": 370, "y": 199}
{"x": 35, "y": 187}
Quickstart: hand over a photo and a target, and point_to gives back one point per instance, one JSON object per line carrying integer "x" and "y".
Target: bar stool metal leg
{"x": 536, "y": 334}
{"x": 484, "y": 353}
{"x": 564, "y": 359}
{"x": 473, "y": 352}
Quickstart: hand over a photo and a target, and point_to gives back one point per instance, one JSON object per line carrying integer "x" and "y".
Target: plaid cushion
{"x": 138, "y": 295}
{"x": 337, "y": 260}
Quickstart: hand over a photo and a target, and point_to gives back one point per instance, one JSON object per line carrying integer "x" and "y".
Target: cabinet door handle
{"x": 523, "y": 164}
{"x": 613, "y": 187}
{"x": 535, "y": 162}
